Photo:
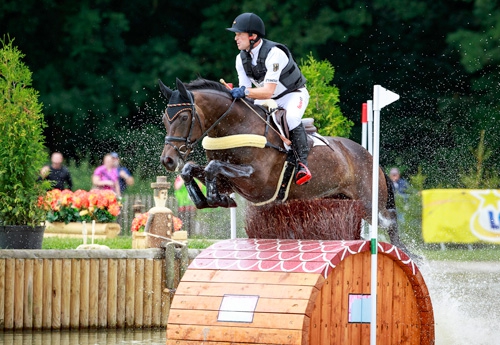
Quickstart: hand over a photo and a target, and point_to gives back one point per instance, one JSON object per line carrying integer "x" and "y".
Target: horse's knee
{"x": 187, "y": 172}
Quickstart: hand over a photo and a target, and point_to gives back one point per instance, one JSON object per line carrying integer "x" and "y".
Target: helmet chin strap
{"x": 252, "y": 43}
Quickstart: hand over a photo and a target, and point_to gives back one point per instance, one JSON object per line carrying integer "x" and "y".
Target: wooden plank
{"x": 66, "y": 293}
{"x": 74, "y": 317}
{"x": 385, "y": 300}
{"x": 336, "y": 330}
{"x": 326, "y": 312}
{"x": 315, "y": 321}
{"x": 260, "y": 320}
{"x": 262, "y": 290}
{"x": 102, "y": 294}
{"x": 157, "y": 292}
{"x": 2, "y": 293}
{"x": 148, "y": 293}
{"x": 190, "y": 342}
{"x": 28, "y": 295}
{"x": 166, "y": 296}
{"x": 85, "y": 292}
{"x": 112, "y": 292}
{"x": 235, "y": 334}
{"x": 47, "y": 294}
{"x": 139, "y": 292}
{"x": 130, "y": 294}
{"x": 264, "y": 305}
{"x": 94, "y": 293}
{"x": 37, "y": 293}
{"x": 19, "y": 294}
{"x": 366, "y": 266}
{"x": 276, "y": 278}
{"x": 348, "y": 287}
{"x": 56, "y": 293}
{"x": 354, "y": 328}
{"x": 120, "y": 293}
{"x": 397, "y": 309}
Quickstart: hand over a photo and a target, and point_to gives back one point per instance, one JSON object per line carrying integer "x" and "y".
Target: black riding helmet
{"x": 250, "y": 23}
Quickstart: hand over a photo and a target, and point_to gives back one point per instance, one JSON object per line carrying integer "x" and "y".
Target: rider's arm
{"x": 264, "y": 92}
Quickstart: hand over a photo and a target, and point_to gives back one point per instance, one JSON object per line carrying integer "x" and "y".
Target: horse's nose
{"x": 168, "y": 162}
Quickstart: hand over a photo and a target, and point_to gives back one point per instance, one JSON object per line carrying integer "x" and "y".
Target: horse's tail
{"x": 391, "y": 200}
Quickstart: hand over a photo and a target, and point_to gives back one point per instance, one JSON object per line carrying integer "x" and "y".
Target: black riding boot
{"x": 298, "y": 137}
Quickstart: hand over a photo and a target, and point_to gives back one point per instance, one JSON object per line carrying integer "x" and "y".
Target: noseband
{"x": 184, "y": 150}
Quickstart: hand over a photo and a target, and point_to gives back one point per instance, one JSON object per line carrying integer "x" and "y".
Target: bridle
{"x": 184, "y": 150}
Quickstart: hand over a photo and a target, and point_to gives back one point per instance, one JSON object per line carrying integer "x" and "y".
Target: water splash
{"x": 465, "y": 297}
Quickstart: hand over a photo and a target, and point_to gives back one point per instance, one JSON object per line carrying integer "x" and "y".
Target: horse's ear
{"x": 182, "y": 88}
{"x": 165, "y": 90}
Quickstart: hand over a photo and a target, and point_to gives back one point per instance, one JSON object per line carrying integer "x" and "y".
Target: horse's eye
{"x": 184, "y": 117}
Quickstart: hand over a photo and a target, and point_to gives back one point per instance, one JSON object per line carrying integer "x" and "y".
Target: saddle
{"x": 278, "y": 115}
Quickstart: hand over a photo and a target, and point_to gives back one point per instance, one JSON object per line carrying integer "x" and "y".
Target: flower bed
{"x": 66, "y": 206}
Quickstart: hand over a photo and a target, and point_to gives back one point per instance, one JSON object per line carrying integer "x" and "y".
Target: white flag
{"x": 383, "y": 97}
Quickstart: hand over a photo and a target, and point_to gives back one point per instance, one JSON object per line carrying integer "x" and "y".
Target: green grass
{"x": 120, "y": 242}
{"x": 462, "y": 253}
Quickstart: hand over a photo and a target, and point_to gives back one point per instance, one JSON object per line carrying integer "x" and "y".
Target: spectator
{"x": 125, "y": 178}
{"x": 400, "y": 184}
{"x": 57, "y": 173}
{"x": 106, "y": 176}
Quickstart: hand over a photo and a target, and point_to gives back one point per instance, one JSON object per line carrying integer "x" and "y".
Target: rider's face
{"x": 243, "y": 40}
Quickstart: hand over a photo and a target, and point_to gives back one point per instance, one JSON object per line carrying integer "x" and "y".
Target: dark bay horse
{"x": 203, "y": 108}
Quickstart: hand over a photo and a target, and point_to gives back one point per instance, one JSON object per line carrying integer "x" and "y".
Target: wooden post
{"x": 120, "y": 293}
{"x": 56, "y": 293}
{"x": 37, "y": 293}
{"x": 19, "y": 294}
{"x": 139, "y": 292}
{"x": 157, "y": 292}
{"x": 66, "y": 293}
{"x": 74, "y": 321}
{"x": 148, "y": 293}
{"x": 28, "y": 295}
{"x": 94, "y": 293}
{"x": 130, "y": 295}
{"x": 2, "y": 293}
{"x": 84, "y": 292}
{"x": 47, "y": 294}
{"x": 103, "y": 293}
{"x": 112, "y": 292}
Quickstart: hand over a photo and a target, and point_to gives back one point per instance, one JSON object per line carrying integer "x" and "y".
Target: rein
{"x": 188, "y": 144}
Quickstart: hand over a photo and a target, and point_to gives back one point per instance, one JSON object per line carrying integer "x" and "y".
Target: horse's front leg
{"x": 188, "y": 173}
{"x": 227, "y": 170}
{"x": 389, "y": 219}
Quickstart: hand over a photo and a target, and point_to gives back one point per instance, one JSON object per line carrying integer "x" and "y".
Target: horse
{"x": 240, "y": 161}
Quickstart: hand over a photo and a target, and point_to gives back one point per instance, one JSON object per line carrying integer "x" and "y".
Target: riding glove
{"x": 238, "y": 92}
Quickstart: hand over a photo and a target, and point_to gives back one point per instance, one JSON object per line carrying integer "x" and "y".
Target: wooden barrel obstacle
{"x": 264, "y": 291}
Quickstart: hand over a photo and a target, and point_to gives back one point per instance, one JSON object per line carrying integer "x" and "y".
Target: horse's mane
{"x": 203, "y": 84}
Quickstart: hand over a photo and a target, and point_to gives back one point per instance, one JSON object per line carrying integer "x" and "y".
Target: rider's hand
{"x": 238, "y": 92}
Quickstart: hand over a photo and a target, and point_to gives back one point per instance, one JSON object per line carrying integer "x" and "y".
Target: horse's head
{"x": 179, "y": 120}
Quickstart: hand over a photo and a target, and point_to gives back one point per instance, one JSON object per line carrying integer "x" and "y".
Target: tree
{"x": 324, "y": 98}
{"x": 21, "y": 141}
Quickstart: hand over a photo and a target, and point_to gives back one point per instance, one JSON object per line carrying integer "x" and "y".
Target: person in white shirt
{"x": 270, "y": 67}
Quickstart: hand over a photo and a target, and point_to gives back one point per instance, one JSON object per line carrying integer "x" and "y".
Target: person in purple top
{"x": 106, "y": 175}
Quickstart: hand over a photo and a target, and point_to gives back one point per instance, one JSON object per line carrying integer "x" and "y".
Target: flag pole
{"x": 381, "y": 98}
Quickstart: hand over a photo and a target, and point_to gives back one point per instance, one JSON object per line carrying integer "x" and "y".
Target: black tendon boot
{"x": 298, "y": 137}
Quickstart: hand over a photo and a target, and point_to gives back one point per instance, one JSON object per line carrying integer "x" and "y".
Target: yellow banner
{"x": 461, "y": 215}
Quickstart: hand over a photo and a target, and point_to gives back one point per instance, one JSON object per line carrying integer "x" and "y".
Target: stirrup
{"x": 303, "y": 175}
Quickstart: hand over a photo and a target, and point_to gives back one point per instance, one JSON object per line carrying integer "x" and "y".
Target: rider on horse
{"x": 272, "y": 69}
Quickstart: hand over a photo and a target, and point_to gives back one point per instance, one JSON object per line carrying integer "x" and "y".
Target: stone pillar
{"x": 160, "y": 217}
